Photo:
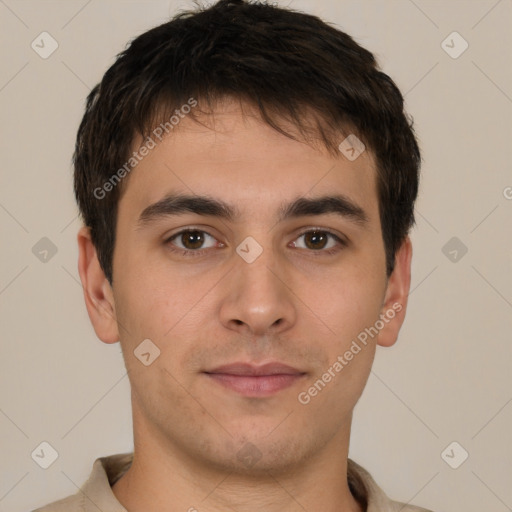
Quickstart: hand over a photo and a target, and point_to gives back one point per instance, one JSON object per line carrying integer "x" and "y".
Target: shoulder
{"x": 70, "y": 504}
{"x": 403, "y": 507}
{"x": 96, "y": 493}
{"x": 371, "y": 496}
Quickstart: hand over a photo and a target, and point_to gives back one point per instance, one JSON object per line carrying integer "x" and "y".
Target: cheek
{"x": 155, "y": 302}
{"x": 339, "y": 382}
{"x": 349, "y": 304}
{"x": 347, "y": 300}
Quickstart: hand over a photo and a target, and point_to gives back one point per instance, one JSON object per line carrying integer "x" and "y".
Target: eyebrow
{"x": 176, "y": 204}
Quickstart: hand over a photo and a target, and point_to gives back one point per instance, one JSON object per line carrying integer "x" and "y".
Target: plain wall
{"x": 447, "y": 379}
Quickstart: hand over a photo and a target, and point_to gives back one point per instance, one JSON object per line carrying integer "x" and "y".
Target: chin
{"x": 257, "y": 455}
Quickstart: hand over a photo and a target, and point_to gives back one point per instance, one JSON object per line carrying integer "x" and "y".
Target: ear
{"x": 395, "y": 300}
{"x": 99, "y": 298}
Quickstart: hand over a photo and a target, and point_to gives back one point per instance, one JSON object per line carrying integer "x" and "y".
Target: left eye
{"x": 318, "y": 240}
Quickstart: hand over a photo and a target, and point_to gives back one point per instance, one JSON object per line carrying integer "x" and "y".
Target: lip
{"x": 255, "y": 381}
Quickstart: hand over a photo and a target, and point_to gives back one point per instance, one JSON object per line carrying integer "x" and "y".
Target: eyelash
{"x": 200, "y": 252}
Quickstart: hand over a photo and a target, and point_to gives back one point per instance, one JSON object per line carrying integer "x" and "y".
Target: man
{"x": 247, "y": 178}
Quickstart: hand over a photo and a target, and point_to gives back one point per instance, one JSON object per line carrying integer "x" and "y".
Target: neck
{"x": 163, "y": 476}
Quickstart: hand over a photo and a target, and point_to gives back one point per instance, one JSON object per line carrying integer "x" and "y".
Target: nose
{"x": 258, "y": 298}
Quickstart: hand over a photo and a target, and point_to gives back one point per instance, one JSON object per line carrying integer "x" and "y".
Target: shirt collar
{"x": 96, "y": 493}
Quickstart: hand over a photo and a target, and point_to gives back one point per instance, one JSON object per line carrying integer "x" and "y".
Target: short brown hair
{"x": 283, "y": 62}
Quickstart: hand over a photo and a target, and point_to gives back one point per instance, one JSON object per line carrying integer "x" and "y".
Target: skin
{"x": 294, "y": 304}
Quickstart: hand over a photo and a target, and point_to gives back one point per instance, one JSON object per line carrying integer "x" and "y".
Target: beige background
{"x": 449, "y": 376}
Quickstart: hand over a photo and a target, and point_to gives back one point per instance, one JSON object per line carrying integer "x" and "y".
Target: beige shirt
{"x": 96, "y": 494}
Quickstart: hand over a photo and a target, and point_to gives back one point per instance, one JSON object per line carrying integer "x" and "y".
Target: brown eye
{"x": 316, "y": 239}
{"x": 320, "y": 241}
{"x": 192, "y": 240}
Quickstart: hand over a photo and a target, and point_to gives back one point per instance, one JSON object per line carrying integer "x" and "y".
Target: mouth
{"x": 255, "y": 381}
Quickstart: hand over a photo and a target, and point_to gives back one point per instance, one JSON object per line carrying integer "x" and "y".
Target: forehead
{"x": 234, "y": 155}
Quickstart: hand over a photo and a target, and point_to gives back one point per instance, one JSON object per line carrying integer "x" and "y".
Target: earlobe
{"x": 397, "y": 292}
{"x": 98, "y": 295}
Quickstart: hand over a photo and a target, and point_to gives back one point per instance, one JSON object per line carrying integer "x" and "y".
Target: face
{"x": 252, "y": 297}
